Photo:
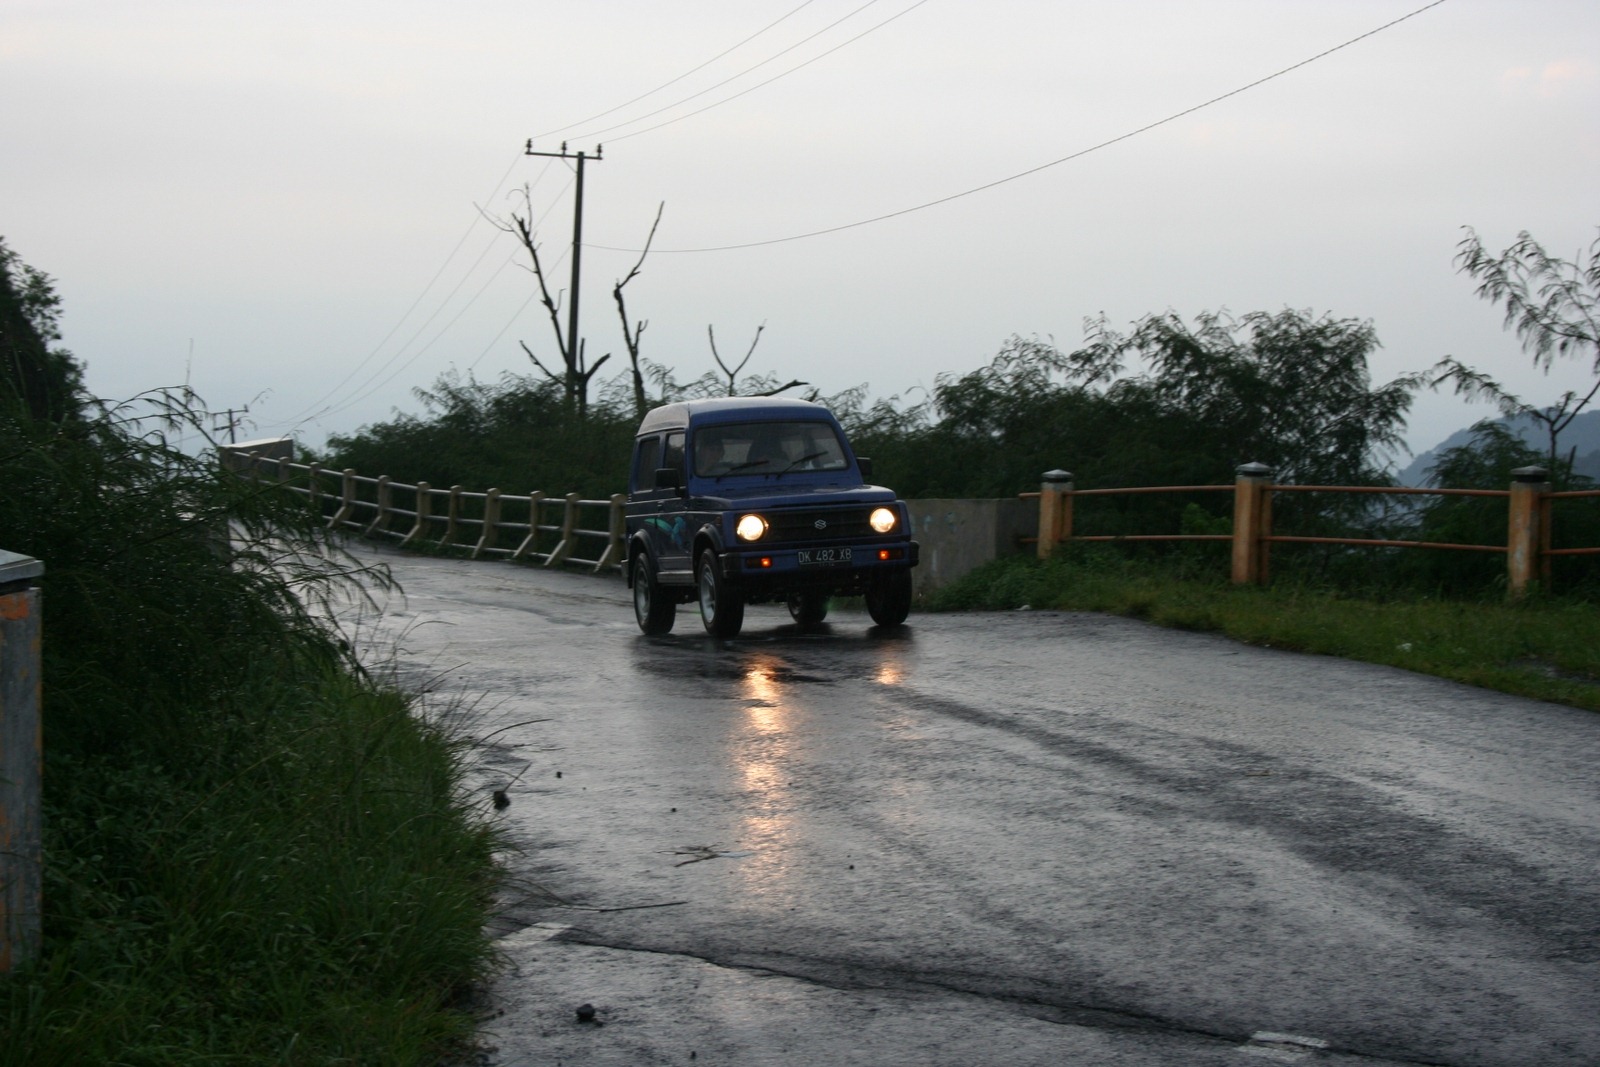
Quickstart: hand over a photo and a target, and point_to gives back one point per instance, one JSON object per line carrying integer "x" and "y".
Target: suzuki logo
{"x": 821, "y": 524}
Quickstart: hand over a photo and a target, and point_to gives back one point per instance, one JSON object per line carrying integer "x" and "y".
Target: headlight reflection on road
{"x": 891, "y": 668}
{"x": 762, "y": 750}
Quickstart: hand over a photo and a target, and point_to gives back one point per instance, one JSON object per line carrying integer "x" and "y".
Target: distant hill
{"x": 1583, "y": 434}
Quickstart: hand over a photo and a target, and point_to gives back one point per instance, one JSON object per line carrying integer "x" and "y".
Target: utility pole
{"x": 577, "y": 245}
{"x": 232, "y": 423}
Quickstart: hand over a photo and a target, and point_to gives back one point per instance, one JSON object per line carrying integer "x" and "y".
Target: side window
{"x": 646, "y": 458}
{"x": 673, "y": 457}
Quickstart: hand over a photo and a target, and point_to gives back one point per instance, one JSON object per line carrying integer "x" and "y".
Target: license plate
{"x": 811, "y": 557}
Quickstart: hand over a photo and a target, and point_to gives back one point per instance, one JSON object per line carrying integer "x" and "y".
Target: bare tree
{"x": 631, "y": 334}
{"x": 733, "y": 373}
{"x": 575, "y": 372}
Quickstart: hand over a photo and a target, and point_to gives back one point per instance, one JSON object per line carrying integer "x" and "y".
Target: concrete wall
{"x": 959, "y": 535}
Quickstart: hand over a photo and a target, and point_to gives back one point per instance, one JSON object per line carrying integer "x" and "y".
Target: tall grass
{"x": 1542, "y": 647}
{"x": 253, "y": 853}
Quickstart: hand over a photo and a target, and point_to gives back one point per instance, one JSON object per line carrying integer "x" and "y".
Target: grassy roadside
{"x": 253, "y": 853}
{"x": 1544, "y": 648}
{"x": 314, "y": 893}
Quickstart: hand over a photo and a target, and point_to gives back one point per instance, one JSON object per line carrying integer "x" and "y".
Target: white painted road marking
{"x": 1284, "y": 1048}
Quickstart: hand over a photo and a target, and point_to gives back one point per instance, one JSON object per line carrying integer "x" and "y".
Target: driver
{"x": 709, "y": 453}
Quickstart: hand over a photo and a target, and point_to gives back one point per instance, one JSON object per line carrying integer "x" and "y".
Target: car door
{"x": 671, "y": 522}
{"x": 657, "y": 511}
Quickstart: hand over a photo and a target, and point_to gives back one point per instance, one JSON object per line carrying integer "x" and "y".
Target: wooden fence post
{"x": 1055, "y": 511}
{"x": 21, "y": 751}
{"x": 1523, "y": 537}
{"x": 491, "y": 523}
{"x": 1252, "y": 523}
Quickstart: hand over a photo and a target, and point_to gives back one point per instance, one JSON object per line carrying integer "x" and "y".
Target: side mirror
{"x": 866, "y": 467}
{"x": 669, "y": 478}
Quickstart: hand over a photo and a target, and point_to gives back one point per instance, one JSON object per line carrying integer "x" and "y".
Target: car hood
{"x": 791, "y": 495}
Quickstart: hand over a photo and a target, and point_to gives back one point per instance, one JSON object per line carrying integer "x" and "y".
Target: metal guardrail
{"x": 1528, "y": 526}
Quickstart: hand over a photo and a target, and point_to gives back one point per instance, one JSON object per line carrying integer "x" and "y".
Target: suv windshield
{"x": 767, "y": 448}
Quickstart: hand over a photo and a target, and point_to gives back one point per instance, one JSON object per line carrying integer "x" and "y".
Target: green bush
{"x": 253, "y": 854}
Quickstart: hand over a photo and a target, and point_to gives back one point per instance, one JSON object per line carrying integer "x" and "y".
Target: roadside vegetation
{"x": 254, "y": 853}
{"x": 1543, "y": 647}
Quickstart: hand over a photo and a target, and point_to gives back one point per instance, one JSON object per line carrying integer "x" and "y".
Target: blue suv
{"x": 747, "y": 500}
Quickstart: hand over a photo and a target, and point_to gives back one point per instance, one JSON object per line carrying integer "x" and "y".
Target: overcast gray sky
{"x": 277, "y": 202}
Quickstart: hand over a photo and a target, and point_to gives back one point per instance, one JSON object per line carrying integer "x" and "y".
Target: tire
{"x": 655, "y": 611}
{"x": 889, "y": 597}
{"x": 808, "y": 609}
{"x": 721, "y": 608}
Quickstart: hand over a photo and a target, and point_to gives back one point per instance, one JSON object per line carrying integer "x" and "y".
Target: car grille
{"x": 840, "y": 524}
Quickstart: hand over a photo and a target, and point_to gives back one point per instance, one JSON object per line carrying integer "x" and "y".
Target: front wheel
{"x": 889, "y": 597}
{"x": 655, "y": 611}
{"x": 721, "y": 608}
{"x": 808, "y": 609}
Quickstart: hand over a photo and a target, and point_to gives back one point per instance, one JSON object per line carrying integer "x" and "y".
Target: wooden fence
{"x": 551, "y": 530}
{"x": 1529, "y": 520}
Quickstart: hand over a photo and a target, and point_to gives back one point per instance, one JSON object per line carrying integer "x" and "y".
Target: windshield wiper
{"x": 741, "y": 467}
{"x": 803, "y": 459}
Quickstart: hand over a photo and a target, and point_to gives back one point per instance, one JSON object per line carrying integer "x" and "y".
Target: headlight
{"x": 751, "y": 528}
{"x": 883, "y": 519}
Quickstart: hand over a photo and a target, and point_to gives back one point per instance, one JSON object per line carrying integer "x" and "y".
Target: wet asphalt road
{"x": 1021, "y": 838}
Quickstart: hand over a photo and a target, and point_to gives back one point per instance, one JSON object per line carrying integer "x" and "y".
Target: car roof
{"x": 731, "y": 409}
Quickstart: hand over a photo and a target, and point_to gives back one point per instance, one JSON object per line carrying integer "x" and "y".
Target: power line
{"x": 372, "y": 385}
{"x": 674, "y": 81}
{"x": 845, "y": 18}
{"x": 502, "y": 331}
{"x": 376, "y": 386}
{"x": 1043, "y": 166}
{"x": 327, "y": 398}
{"x": 426, "y": 289}
{"x": 326, "y": 404}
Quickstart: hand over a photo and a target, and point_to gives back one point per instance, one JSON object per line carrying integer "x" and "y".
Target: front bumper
{"x": 778, "y": 571}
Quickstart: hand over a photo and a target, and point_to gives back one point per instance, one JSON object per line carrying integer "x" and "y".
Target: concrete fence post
{"x": 1252, "y": 523}
{"x": 385, "y": 495}
{"x": 347, "y": 498}
{"x": 569, "y": 526}
{"x": 1055, "y": 511}
{"x": 1524, "y": 539}
{"x": 314, "y": 487}
{"x": 452, "y": 516}
{"x": 424, "y": 509}
{"x": 491, "y": 523}
{"x": 617, "y": 531}
{"x": 21, "y": 763}
{"x": 531, "y": 542}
